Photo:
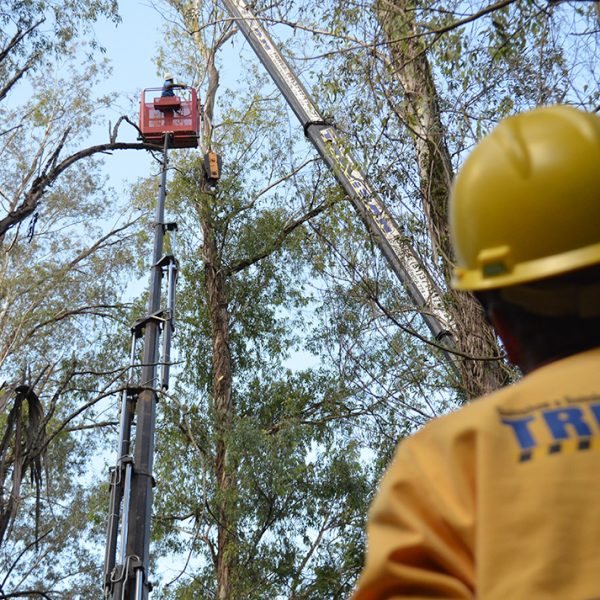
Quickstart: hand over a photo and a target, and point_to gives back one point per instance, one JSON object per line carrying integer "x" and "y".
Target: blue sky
{"x": 131, "y": 47}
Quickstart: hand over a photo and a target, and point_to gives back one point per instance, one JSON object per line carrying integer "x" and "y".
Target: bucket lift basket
{"x": 178, "y": 115}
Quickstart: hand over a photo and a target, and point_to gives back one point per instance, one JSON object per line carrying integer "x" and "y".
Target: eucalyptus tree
{"x": 32, "y": 30}
{"x": 415, "y": 83}
{"x": 500, "y": 58}
{"x": 60, "y": 302}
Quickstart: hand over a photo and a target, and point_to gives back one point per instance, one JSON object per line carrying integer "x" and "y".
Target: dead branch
{"x": 115, "y": 130}
{"x": 50, "y": 174}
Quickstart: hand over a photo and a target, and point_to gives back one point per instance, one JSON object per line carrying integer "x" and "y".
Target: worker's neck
{"x": 528, "y": 361}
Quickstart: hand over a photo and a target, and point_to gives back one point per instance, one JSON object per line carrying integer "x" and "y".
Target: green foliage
{"x": 63, "y": 21}
{"x": 62, "y": 278}
{"x": 329, "y": 367}
{"x": 299, "y": 437}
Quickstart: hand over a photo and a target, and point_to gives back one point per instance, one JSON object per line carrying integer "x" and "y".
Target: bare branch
{"x": 114, "y": 131}
{"x": 48, "y": 177}
{"x": 93, "y": 309}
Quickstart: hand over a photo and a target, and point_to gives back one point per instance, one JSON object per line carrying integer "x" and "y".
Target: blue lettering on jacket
{"x": 574, "y": 418}
{"x": 561, "y": 421}
{"x": 520, "y": 428}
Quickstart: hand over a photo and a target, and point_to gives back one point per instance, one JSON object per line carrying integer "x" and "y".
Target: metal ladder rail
{"x": 170, "y": 267}
{"x": 131, "y": 480}
{"x": 120, "y": 474}
{"x": 393, "y": 243}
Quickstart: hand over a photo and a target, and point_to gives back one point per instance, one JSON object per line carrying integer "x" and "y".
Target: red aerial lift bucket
{"x": 178, "y": 115}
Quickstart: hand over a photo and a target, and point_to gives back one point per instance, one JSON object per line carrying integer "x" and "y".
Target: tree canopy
{"x": 300, "y": 361}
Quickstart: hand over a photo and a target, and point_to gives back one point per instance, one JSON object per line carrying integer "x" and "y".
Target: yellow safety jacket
{"x": 499, "y": 500}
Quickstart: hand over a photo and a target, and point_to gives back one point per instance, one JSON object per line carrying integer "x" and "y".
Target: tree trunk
{"x": 222, "y": 405}
{"x": 420, "y": 112}
{"x": 225, "y": 469}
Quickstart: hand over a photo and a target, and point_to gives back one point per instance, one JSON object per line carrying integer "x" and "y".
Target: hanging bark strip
{"x": 21, "y": 450}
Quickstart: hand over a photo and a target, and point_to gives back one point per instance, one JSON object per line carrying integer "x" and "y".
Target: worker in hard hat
{"x": 501, "y": 499}
{"x": 169, "y": 86}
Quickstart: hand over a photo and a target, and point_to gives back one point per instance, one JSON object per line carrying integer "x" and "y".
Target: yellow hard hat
{"x": 526, "y": 203}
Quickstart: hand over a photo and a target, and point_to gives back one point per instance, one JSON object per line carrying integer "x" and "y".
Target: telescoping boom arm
{"x": 387, "y": 234}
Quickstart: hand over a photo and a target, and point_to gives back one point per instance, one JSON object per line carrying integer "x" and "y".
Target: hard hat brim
{"x": 541, "y": 268}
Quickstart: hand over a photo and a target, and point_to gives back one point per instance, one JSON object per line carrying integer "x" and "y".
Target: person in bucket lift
{"x": 169, "y": 85}
{"x": 501, "y": 499}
